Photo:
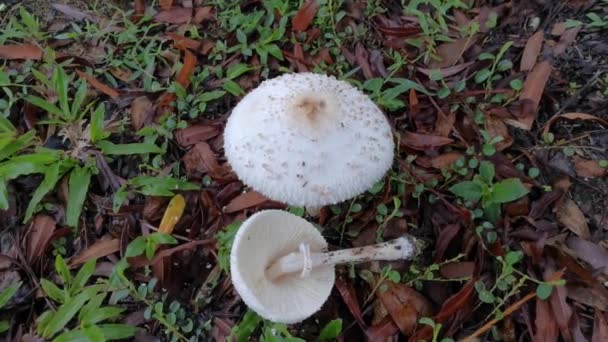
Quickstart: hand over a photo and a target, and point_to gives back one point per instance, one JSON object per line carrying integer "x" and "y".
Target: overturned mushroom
{"x": 308, "y": 140}
{"x": 280, "y": 267}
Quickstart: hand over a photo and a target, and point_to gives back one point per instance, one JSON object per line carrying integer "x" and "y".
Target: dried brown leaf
{"x": 73, "y": 13}
{"x": 165, "y": 4}
{"x": 413, "y": 102}
{"x": 447, "y": 72}
{"x": 571, "y": 216}
{"x": 457, "y": 302}
{"x": 600, "y": 328}
{"x": 305, "y": 15}
{"x": 445, "y": 160}
{"x": 21, "y": 51}
{"x": 566, "y": 39}
{"x": 531, "y": 51}
{"x": 421, "y": 142}
{"x": 445, "y": 124}
{"x": 588, "y": 168}
{"x": 405, "y": 305}
{"x": 595, "y": 295}
{"x": 153, "y": 207}
{"x": 559, "y": 28}
{"x": 39, "y": 236}
{"x": 95, "y": 83}
{"x": 203, "y": 14}
{"x": 400, "y": 31}
{"x": 244, "y": 201}
{"x": 449, "y": 53}
{"x": 497, "y": 128}
{"x": 142, "y": 112}
{"x": 457, "y": 269}
{"x": 201, "y": 159}
{"x": 140, "y": 8}
{"x": 121, "y": 74}
{"x": 362, "y": 57}
{"x": 196, "y": 133}
{"x": 176, "y": 15}
{"x": 561, "y": 311}
{"x": 546, "y": 327}
{"x": 382, "y": 331}
{"x": 99, "y": 249}
{"x": 533, "y": 89}
{"x": 590, "y": 252}
{"x": 349, "y": 296}
{"x": 540, "y": 206}
{"x": 183, "y": 77}
{"x": 141, "y": 261}
{"x": 184, "y": 42}
{"x": 446, "y": 235}
{"x": 521, "y": 207}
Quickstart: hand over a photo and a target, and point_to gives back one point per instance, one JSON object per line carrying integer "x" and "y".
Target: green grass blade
{"x": 18, "y": 144}
{"x": 64, "y": 314}
{"x": 61, "y": 85}
{"x": 6, "y": 125}
{"x": 110, "y": 148}
{"x": 40, "y": 102}
{"x": 3, "y": 195}
{"x": 26, "y": 164}
{"x": 97, "y": 118}
{"x": 81, "y": 93}
{"x": 51, "y": 176}
{"x": 8, "y": 293}
{"x": 78, "y": 186}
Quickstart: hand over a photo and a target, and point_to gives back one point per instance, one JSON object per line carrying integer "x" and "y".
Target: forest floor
{"x": 118, "y": 208}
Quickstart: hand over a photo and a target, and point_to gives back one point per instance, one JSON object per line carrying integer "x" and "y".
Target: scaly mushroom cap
{"x": 262, "y": 239}
{"x": 308, "y": 140}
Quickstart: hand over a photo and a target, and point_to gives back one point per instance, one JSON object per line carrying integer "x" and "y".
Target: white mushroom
{"x": 280, "y": 267}
{"x": 308, "y": 140}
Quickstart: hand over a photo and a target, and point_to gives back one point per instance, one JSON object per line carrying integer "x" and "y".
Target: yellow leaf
{"x": 173, "y": 213}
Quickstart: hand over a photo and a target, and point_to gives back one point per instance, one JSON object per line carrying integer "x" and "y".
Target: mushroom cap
{"x": 308, "y": 140}
{"x": 262, "y": 239}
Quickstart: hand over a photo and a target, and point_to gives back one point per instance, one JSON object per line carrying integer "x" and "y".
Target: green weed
{"x": 492, "y": 194}
{"x": 81, "y": 314}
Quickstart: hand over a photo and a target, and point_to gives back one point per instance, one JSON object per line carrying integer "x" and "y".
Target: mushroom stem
{"x": 405, "y": 247}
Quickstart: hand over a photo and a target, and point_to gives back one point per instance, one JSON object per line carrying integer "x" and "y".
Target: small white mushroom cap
{"x": 263, "y": 238}
{"x": 308, "y": 140}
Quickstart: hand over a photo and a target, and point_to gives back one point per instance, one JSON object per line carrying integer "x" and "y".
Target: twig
{"x": 473, "y": 337}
